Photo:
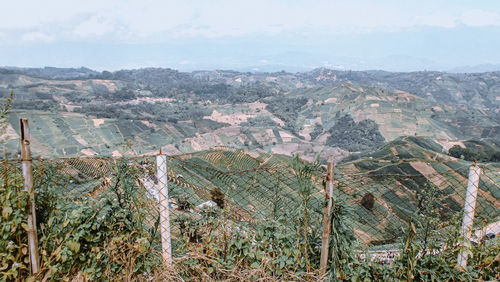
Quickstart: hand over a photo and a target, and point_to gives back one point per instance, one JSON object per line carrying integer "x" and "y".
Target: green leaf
{"x": 65, "y": 223}
{"x": 6, "y": 211}
{"x": 73, "y": 246}
{"x": 51, "y": 220}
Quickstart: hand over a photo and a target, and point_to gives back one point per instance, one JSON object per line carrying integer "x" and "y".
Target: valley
{"x": 83, "y": 112}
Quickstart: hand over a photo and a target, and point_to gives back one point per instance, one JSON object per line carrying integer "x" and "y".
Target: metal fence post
{"x": 161, "y": 174}
{"x": 469, "y": 211}
{"x": 28, "y": 187}
{"x": 326, "y": 215}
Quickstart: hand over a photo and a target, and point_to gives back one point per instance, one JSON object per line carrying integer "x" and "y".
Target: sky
{"x": 256, "y": 35}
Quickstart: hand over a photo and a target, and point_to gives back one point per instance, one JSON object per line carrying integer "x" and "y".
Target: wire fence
{"x": 385, "y": 201}
{"x": 266, "y": 188}
{"x": 176, "y": 193}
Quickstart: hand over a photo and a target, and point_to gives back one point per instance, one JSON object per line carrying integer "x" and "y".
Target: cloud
{"x": 163, "y": 20}
{"x": 478, "y": 17}
{"x": 437, "y": 19}
{"x": 472, "y": 18}
{"x": 186, "y": 62}
{"x": 37, "y": 36}
{"x": 94, "y": 26}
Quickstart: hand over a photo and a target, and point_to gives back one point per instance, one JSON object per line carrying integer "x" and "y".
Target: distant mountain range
{"x": 54, "y": 73}
{"x": 476, "y": 68}
{"x": 80, "y": 111}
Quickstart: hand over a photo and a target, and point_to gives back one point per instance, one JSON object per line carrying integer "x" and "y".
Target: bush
{"x": 98, "y": 238}
{"x": 13, "y": 241}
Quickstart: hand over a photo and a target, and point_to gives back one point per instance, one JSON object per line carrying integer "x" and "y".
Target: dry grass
{"x": 205, "y": 272}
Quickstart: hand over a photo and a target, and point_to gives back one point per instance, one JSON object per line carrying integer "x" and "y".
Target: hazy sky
{"x": 355, "y": 34}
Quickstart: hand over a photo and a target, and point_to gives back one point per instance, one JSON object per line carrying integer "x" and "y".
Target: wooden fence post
{"x": 28, "y": 186}
{"x": 469, "y": 211}
{"x": 161, "y": 174}
{"x": 326, "y": 215}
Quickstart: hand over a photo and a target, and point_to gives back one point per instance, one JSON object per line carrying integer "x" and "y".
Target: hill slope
{"x": 396, "y": 176}
{"x": 78, "y": 111}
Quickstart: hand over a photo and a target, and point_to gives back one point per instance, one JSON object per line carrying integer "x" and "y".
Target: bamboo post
{"x": 28, "y": 187}
{"x": 161, "y": 174}
{"x": 469, "y": 211}
{"x": 326, "y": 215}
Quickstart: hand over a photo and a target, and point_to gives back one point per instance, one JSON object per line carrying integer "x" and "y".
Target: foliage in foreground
{"x": 107, "y": 232}
{"x": 96, "y": 234}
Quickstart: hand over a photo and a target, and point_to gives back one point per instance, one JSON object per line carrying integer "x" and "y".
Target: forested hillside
{"x": 337, "y": 112}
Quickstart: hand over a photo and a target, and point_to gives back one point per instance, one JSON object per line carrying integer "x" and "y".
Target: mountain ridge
{"x": 277, "y": 112}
